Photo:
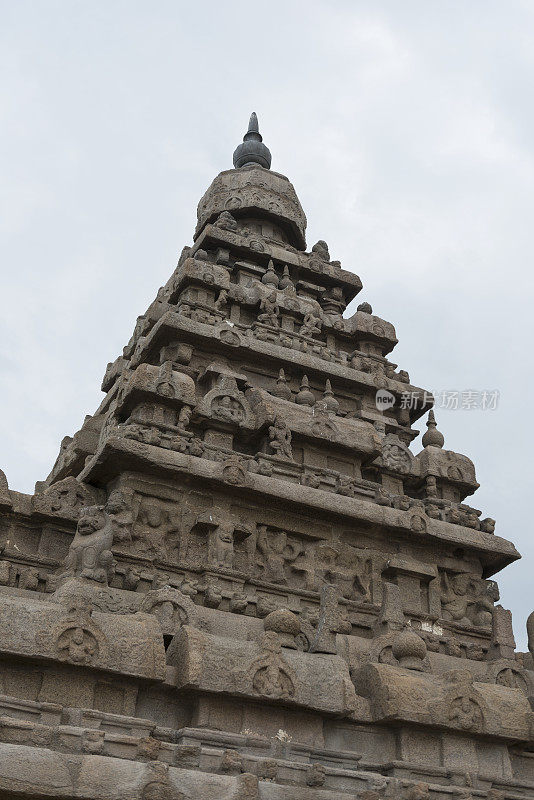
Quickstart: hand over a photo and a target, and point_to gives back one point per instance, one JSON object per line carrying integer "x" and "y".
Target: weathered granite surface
{"x": 238, "y": 581}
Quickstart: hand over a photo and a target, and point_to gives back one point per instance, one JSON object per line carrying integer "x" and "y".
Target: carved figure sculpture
{"x": 121, "y": 515}
{"x": 485, "y": 603}
{"x": 278, "y": 552}
{"x": 280, "y": 439}
{"x": 222, "y": 299}
{"x": 77, "y": 638}
{"x": 221, "y": 550}
{"x": 184, "y": 417}
{"x": 345, "y": 569}
{"x": 226, "y": 221}
{"x": 90, "y": 553}
{"x": 468, "y": 599}
{"x": 311, "y": 326}
{"x": 227, "y": 401}
{"x": 455, "y": 597}
{"x": 270, "y": 311}
{"x": 395, "y": 455}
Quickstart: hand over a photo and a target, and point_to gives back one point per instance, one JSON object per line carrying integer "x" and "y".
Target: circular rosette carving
{"x": 461, "y": 706}
{"x": 378, "y": 329}
{"x": 233, "y": 202}
{"x": 78, "y": 644}
{"x": 513, "y": 678}
{"x": 77, "y": 638}
{"x": 505, "y": 673}
{"x": 256, "y": 245}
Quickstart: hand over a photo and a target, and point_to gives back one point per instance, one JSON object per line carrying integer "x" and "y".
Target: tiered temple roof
{"x": 238, "y": 580}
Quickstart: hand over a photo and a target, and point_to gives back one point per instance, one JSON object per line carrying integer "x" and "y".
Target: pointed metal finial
{"x": 252, "y": 151}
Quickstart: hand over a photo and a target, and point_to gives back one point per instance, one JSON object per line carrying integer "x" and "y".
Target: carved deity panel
{"x": 277, "y": 555}
{"x": 226, "y": 403}
{"x": 144, "y": 525}
{"x": 346, "y": 568}
{"x": 219, "y": 542}
{"x": 395, "y": 455}
{"x": 467, "y": 599}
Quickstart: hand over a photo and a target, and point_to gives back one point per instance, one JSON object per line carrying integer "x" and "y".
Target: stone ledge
{"x": 118, "y": 455}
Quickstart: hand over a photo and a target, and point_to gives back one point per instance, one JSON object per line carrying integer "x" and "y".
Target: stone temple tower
{"x": 238, "y": 582}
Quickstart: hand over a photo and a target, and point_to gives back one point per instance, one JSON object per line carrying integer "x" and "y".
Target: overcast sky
{"x": 407, "y": 130}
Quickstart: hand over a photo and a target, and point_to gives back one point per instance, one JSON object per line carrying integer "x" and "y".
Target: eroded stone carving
{"x": 279, "y": 551}
{"x": 158, "y": 785}
{"x": 280, "y": 438}
{"x": 90, "y": 553}
{"x": 270, "y": 673}
{"x": 467, "y": 599}
{"x": 77, "y": 638}
{"x": 169, "y": 606}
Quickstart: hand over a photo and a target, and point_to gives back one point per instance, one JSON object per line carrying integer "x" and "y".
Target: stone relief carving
{"x": 169, "y": 606}
{"x": 221, "y": 546}
{"x": 233, "y": 471}
{"x": 270, "y": 673}
{"x": 468, "y": 600}
{"x": 278, "y": 552}
{"x": 311, "y": 326}
{"x": 158, "y": 785}
{"x": 513, "y": 678}
{"x": 90, "y": 553}
{"x": 463, "y": 705}
{"x": 270, "y": 311}
{"x": 77, "y": 638}
{"x": 157, "y": 527}
{"x": 346, "y": 568}
{"x": 219, "y": 543}
{"x": 395, "y": 455}
{"x": 227, "y": 403}
{"x": 122, "y": 517}
{"x": 280, "y": 439}
{"x": 65, "y": 498}
{"x": 226, "y": 221}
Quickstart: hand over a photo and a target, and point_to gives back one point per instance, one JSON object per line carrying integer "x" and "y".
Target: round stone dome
{"x": 409, "y": 649}
{"x": 252, "y": 151}
{"x": 433, "y": 437}
{"x": 282, "y": 621}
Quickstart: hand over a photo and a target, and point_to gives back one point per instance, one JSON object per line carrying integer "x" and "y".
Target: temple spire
{"x": 252, "y": 151}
